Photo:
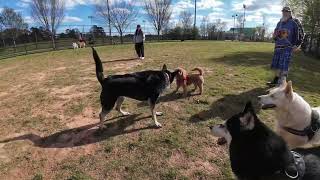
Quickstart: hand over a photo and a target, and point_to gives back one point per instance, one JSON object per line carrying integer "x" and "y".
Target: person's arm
{"x": 276, "y": 32}
{"x": 134, "y": 39}
{"x": 295, "y": 36}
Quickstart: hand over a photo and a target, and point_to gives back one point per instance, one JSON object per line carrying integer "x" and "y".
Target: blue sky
{"x": 78, "y": 11}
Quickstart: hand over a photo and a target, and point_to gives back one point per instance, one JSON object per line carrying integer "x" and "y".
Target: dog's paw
{"x": 102, "y": 126}
{"x": 159, "y": 113}
{"x": 158, "y": 125}
{"x": 125, "y": 113}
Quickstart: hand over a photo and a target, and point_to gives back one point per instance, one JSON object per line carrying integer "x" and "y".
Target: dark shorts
{"x": 281, "y": 59}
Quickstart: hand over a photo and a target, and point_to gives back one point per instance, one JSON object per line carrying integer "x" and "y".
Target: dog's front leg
{"x": 119, "y": 104}
{"x": 152, "y": 105}
{"x": 102, "y": 117}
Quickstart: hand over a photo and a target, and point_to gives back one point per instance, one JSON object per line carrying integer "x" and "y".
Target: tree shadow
{"x": 229, "y": 105}
{"x": 246, "y": 59}
{"x": 302, "y": 68}
{"x": 83, "y": 135}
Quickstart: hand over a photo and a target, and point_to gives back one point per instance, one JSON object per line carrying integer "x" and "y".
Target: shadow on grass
{"x": 302, "y": 68}
{"x": 83, "y": 135}
{"x": 229, "y": 105}
{"x": 246, "y": 59}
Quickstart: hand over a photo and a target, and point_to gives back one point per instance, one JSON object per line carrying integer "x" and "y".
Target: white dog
{"x": 75, "y": 45}
{"x": 297, "y": 122}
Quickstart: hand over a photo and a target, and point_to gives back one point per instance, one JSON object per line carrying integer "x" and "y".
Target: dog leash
{"x": 310, "y": 130}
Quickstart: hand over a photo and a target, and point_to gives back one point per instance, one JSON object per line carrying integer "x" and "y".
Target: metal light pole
{"x": 244, "y": 16}
{"x": 234, "y": 25}
{"x": 195, "y": 14}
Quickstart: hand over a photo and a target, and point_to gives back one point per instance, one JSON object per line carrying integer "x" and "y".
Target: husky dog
{"x": 75, "y": 45}
{"x": 142, "y": 86}
{"x": 297, "y": 122}
{"x": 256, "y": 152}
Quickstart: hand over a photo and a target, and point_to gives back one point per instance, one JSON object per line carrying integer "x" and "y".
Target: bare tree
{"x": 220, "y": 27}
{"x": 12, "y": 22}
{"x": 48, "y": 13}
{"x": 204, "y": 27}
{"x": 120, "y": 14}
{"x": 186, "y": 19}
{"x": 159, "y": 13}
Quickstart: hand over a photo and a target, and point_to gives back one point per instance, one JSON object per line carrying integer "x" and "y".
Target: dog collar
{"x": 310, "y": 130}
{"x": 297, "y": 174}
{"x": 300, "y": 166}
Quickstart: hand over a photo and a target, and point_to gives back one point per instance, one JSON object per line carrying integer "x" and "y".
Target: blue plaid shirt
{"x": 292, "y": 28}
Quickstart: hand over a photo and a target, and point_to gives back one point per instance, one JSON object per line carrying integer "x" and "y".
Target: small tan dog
{"x": 184, "y": 79}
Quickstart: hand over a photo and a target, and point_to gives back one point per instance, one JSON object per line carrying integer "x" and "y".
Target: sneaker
{"x": 142, "y": 58}
{"x": 274, "y": 82}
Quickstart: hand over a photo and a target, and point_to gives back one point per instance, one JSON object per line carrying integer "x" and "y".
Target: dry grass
{"x": 50, "y": 102}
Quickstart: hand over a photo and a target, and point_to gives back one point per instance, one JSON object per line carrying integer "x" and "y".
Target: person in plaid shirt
{"x": 286, "y": 36}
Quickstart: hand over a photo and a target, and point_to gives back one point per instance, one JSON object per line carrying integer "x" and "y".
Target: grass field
{"x": 50, "y": 103}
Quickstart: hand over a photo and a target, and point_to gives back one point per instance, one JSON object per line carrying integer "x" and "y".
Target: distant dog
{"x": 257, "y": 153}
{"x": 82, "y": 44}
{"x": 142, "y": 86}
{"x": 75, "y": 45}
{"x": 183, "y": 79}
{"x": 297, "y": 122}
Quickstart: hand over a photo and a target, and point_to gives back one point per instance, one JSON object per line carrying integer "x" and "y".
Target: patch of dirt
{"x": 3, "y": 157}
{"x": 67, "y": 93}
{"x": 176, "y": 107}
{"x": 37, "y": 77}
{"x": 126, "y": 65}
{"x": 190, "y": 167}
{"x": 59, "y": 69}
{"x": 4, "y": 70}
{"x": 2, "y": 94}
{"x": 87, "y": 117}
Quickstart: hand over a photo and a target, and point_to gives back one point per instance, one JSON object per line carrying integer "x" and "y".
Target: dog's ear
{"x": 248, "y": 107}
{"x": 164, "y": 67}
{"x": 289, "y": 90}
{"x": 283, "y": 83}
{"x": 247, "y": 119}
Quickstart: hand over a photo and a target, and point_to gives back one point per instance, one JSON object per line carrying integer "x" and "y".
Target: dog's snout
{"x": 211, "y": 127}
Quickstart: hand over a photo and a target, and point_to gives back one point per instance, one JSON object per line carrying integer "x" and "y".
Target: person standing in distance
{"x": 139, "y": 39}
{"x": 288, "y": 36}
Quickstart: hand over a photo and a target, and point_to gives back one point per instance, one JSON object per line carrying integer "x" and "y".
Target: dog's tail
{"x": 199, "y": 70}
{"x": 99, "y": 67}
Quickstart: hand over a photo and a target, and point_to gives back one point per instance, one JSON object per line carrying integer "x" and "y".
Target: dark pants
{"x": 140, "y": 49}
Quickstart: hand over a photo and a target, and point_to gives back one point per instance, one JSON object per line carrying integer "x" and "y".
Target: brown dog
{"x": 184, "y": 79}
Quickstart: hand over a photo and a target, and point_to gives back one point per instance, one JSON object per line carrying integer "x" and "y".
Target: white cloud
{"x": 209, "y": 4}
{"x": 70, "y": 19}
{"x": 29, "y": 20}
{"x": 183, "y": 5}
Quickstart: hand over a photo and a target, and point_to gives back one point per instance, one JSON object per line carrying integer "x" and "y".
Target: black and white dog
{"x": 256, "y": 152}
{"x": 142, "y": 86}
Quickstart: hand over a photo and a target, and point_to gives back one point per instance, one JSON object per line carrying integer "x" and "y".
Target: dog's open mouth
{"x": 268, "y": 106}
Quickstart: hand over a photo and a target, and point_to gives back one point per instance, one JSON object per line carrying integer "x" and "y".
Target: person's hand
{"x": 296, "y": 49}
